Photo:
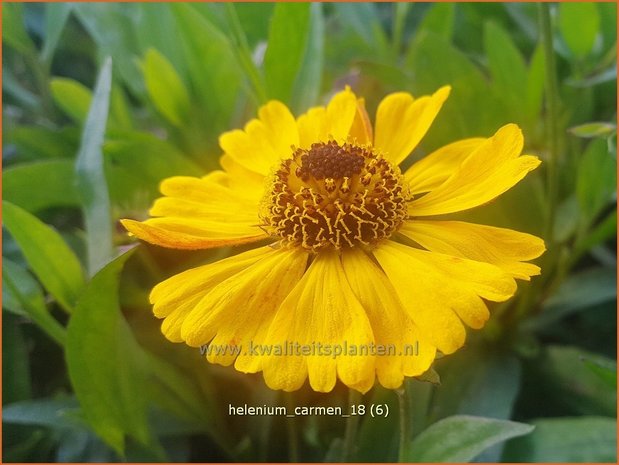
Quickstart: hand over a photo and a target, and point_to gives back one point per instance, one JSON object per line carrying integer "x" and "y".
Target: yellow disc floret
{"x": 335, "y": 196}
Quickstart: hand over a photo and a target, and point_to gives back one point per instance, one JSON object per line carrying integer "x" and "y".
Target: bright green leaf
{"x": 90, "y": 175}
{"x": 39, "y": 185}
{"x": 165, "y": 88}
{"x": 49, "y": 257}
{"x": 72, "y": 97}
{"x": 439, "y": 19}
{"x": 213, "y": 68}
{"x": 105, "y": 363}
{"x": 14, "y": 31}
{"x": 594, "y": 130}
{"x": 288, "y": 38}
{"x": 567, "y": 440}
{"x": 606, "y": 370}
{"x": 461, "y": 438}
{"x": 579, "y": 23}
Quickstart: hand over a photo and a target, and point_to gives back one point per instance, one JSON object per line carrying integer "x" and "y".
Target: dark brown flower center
{"x": 335, "y": 196}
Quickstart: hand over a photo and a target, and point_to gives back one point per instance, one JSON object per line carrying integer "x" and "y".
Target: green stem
{"x": 291, "y": 426}
{"x": 244, "y": 54}
{"x": 552, "y": 115}
{"x": 352, "y": 425}
{"x": 405, "y": 423}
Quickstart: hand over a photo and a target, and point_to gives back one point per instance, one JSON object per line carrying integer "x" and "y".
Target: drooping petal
{"x": 321, "y": 309}
{"x": 243, "y": 291}
{"x": 200, "y": 213}
{"x": 438, "y": 290}
{"x": 504, "y": 248}
{"x": 264, "y": 142}
{"x": 175, "y": 297}
{"x": 190, "y": 234}
{"x": 391, "y": 325}
{"x": 402, "y": 121}
{"x": 493, "y": 168}
{"x": 244, "y": 319}
{"x": 432, "y": 170}
{"x": 321, "y": 124}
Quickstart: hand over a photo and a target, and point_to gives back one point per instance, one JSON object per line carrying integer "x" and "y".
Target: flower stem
{"x": 552, "y": 114}
{"x": 405, "y": 423}
{"x": 352, "y": 424}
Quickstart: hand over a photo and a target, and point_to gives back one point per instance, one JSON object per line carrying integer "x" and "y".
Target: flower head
{"x": 351, "y": 257}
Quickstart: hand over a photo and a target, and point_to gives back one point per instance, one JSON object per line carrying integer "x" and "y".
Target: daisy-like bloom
{"x": 349, "y": 253}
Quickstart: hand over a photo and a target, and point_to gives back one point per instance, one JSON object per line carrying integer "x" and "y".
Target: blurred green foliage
{"x": 87, "y": 376}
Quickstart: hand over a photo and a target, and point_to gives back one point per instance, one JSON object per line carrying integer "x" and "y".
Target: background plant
{"x": 102, "y": 101}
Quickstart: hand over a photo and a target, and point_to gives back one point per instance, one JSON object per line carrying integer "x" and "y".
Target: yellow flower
{"x": 351, "y": 255}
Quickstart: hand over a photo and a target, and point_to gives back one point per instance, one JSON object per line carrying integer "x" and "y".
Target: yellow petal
{"x": 504, "y": 248}
{"x": 391, "y": 325}
{"x": 236, "y": 294}
{"x": 432, "y": 170}
{"x": 321, "y": 309}
{"x": 240, "y": 178}
{"x": 264, "y": 142}
{"x": 190, "y": 234}
{"x": 175, "y": 297}
{"x": 361, "y": 129}
{"x": 321, "y": 124}
{"x": 401, "y": 122}
{"x": 240, "y": 309}
{"x": 198, "y": 213}
{"x": 493, "y": 168}
{"x": 438, "y": 290}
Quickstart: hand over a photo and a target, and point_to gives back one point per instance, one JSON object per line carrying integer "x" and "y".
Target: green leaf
{"x": 90, "y": 175}
{"x": 17, "y": 91}
{"x": 509, "y": 72}
{"x": 135, "y": 164}
{"x": 567, "y": 440}
{"x": 563, "y": 372}
{"x": 39, "y": 185}
{"x": 110, "y": 27}
{"x": 309, "y": 78}
{"x": 597, "y": 179}
{"x": 22, "y": 295}
{"x": 460, "y": 117}
{"x": 288, "y": 38}
{"x": 35, "y": 142}
{"x": 16, "y": 380}
{"x": 165, "y": 88}
{"x": 439, "y": 19}
{"x": 594, "y": 130}
{"x": 606, "y": 370}
{"x": 56, "y": 15}
{"x": 604, "y": 231}
{"x": 105, "y": 362}
{"x": 53, "y": 412}
{"x": 14, "y": 32}
{"x": 579, "y": 23}
{"x": 578, "y": 292}
{"x": 535, "y": 87}
{"x": 49, "y": 257}
{"x": 214, "y": 71}
{"x": 72, "y": 97}
{"x": 461, "y": 438}
{"x": 363, "y": 18}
